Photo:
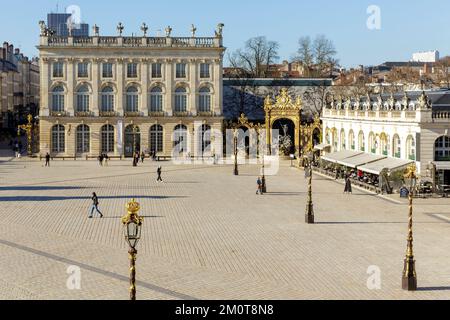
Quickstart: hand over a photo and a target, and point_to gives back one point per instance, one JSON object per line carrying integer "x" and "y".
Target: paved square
{"x": 207, "y": 235}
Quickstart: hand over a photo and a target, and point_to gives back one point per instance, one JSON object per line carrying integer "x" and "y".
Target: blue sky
{"x": 406, "y": 26}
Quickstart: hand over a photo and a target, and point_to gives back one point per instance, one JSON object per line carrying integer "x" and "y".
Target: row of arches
{"x": 132, "y": 139}
{"x": 132, "y": 97}
{"x": 381, "y": 144}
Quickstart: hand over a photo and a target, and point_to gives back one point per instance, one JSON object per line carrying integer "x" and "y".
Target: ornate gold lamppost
{"x": 135, "y": 131}
{"x": 263, "y": 173}
{"x": 309, "y": 216}
{"x": 409, "y": 279}
{"x": 132, "y": 230}
{"x": 28, "y": 128}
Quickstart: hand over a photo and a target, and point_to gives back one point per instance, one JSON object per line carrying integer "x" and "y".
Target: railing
{"x": 204, "y": 42}
{"x": 82, "y": 40}
{"x": 108, "y": 114}
{"x": 156, "y": 42}
{"x": 133, "y": 114}
{"x": 181, "y": 114}
{"x": 410, "y": 114}
{"x": 132, "y": 41}
{"x": 205, "y": 113}
{"x": 441, "y": 115}
{"x": 181, "y": 42}
{"x": 84, "y": 114}
{"x": 58, "y": 41}
{"x": 59, "y": 114}
{"x": 107, "y": 40}
{"x": 156, "y": 114}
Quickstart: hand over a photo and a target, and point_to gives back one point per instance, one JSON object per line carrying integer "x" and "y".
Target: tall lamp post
{"x": 409, "y": 278}
{"x": 28, "y": 128}
{"x": 236, "y": 170}
{"x": 132, "y": 229}
{"x": 263, "y": 173}
{"x": 135, "y": 131}
{"x": 309, "y": 215}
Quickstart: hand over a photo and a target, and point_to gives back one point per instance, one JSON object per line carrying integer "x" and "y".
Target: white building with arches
{"x": 410, "y": 127}
{"x": 112, "y": 94}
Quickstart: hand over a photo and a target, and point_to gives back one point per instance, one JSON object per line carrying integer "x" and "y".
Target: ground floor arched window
{"x": 58, "y": 139}
{"x": 157, "y": 138}
{"x": 397, "y": 146}
{"x": 107, "y": 141}
{"x": 442, "y": 149}
{"x": 411, "y": 148}
{"x": 180, "y": 139}
{"x": 83, "y": 139}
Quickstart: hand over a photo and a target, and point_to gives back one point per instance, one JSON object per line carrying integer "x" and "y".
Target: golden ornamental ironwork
{"x": 133, "y": 208}
{"x": 283, "y": 102}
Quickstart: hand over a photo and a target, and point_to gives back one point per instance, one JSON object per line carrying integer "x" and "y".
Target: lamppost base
{"x": 409, "y": 279}
{"x": 264, "y": 186}
{"x": 236, "y": 172}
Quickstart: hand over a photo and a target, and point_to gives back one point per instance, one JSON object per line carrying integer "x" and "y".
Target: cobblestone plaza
{"x": 206, "y": 235}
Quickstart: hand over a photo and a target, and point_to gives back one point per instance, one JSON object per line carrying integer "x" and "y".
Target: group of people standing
{"x": 103, "y": 159}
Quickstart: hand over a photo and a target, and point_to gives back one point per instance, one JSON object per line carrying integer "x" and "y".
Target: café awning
{"x": 344, "y": 154}
{"x": 390, "y": 164}
{"x": 322, "y": 146}
{"x": 360, "y": 160}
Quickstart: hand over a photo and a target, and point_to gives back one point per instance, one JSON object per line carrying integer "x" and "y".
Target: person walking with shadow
{"x": 159, "y": 172}
{"x": 47, "y": 160}
{"x": 142, "y": 157}
{"x": 94, "y": 206}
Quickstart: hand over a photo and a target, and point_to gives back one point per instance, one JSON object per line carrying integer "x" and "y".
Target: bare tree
{"x": 442, "y": 70}
{"x": 256, "y": 57}
{"x": 318, "y": 56}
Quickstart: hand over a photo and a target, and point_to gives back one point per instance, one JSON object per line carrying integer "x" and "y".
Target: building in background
{"x": 60, "y": 23}
{"x": 426, "y": 56}
{"x": 117, "y": 95}
{"x": 19, "y": 87}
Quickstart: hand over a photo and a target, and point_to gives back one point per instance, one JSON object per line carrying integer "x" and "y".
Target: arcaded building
{"x": 118, "y": 94}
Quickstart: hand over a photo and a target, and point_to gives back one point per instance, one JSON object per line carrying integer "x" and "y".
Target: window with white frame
{"x": 58, "y": 99}
{"x": 107, "y": 99}
{"x": 107, "y": 134}
{"x": 156, "y": 70}
{"x": 132, "y": 100}
{"x": 180, "y": 100}
{"x": 180, "y": 70}
{"x": 83, "y": 70}
{"x": 83, "y": 139}
{"x": 156, "y": 100}
{"x": 82, "y": 101}
{"x": 58, "y": 70}
{"x": 204, "y": 100}
{"x": 180, "y": 135}
{"x": 411, "y": 148}
{"x": 107, "y": 70}
{"x": 132, "y": 70}
{"x": 58, "y": 139}
{"x": 442, "y": 149}
{"x": 205, "y": 70}
{"x": 397, "y": 145}
{"x": 156, "y": 138}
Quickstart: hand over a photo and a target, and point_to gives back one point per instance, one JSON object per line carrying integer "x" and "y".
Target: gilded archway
{"x": 284, "y": 107}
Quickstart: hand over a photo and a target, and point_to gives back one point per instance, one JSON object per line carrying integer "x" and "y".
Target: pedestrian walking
{"x": 100, "y": 160}
{"x": 259, "y": 186}
{"x": 159, "y": 172}
{"x": 142, "y": 157}
{"x": 105, "y": 159}
{"x": 47, "y": 160}
{"x": 94, "y": 206}
{"x": 348, "y": 185}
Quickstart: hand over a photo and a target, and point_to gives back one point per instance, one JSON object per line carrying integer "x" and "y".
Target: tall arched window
{"x": 180, "y": 100}
{"x": 372, "y": 143}
{"x": 156, "y": 100}
{"x": 384, "y": 144}
{"x": 157, "y": 138}
{"x": 397, "y": 146}
{"x": 58, "y": 99}
{"x": 83, "y": 139}
{"x": 204, "y": 100}
{"x": 361, "y": 142}
{"x": 351, "y": 140}
{"x": 82, "y": 104}
{"x": 180, "y": 139}
{"x": 411, "y": 148}
{"x": 132, "y": 100}
{"x": 328, "y": 136}
{"x": 343, "y": 144}
{"x": 334, "y": 135}
{"x": 107, "y": 98}
{"x": 442, "y": 149}
{"x": 205, "y": 137}
{"x": 107, "y": 133}
{"x": 58, "y": 139}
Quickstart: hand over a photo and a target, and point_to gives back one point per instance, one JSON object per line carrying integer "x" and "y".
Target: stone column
{"x": 144, "y": 87}
{"x": 44, "y": 89}
{"x": 218, "y": 87}
{"x": 119, "y": 105}
{"x": 70, "y": 107}
{"x": 168, "y": 99}
{"x": 95, "y": 86}
{"x": 193, "y": 83}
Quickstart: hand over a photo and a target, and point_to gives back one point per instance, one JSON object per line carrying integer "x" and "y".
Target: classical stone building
{"x": 19, "y": 87}
{"x": 117, "y": 94}
{"x": 390, "y": 131}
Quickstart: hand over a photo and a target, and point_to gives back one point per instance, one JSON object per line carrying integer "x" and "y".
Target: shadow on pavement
{"x": 57, "y": 198}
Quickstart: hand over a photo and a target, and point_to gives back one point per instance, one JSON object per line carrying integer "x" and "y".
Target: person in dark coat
{"x": 94, "y": 206}
{"x": 142, "y": 157}
{"x": 47, "y": 160}
{"x": 159, "y": 172}
{"x": 348, "y": 185}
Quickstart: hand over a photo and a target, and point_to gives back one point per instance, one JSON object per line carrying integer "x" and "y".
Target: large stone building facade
{"x": 118, "y": 94}
{"x": 19, "y": 87}
{"x": 410, "y": 127}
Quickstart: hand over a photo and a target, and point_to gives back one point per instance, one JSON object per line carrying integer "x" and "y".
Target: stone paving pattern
{"x": 206, "y": 235}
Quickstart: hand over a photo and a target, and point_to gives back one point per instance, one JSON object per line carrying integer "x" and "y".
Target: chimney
{"x": 17, "y": 51}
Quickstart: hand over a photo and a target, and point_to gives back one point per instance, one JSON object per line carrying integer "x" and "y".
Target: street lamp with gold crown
{"x": 132, "y": 229}
{"x": 28, "y": 128}
{"x": 309, "y": 216}
{"x": 409, "y": 278}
